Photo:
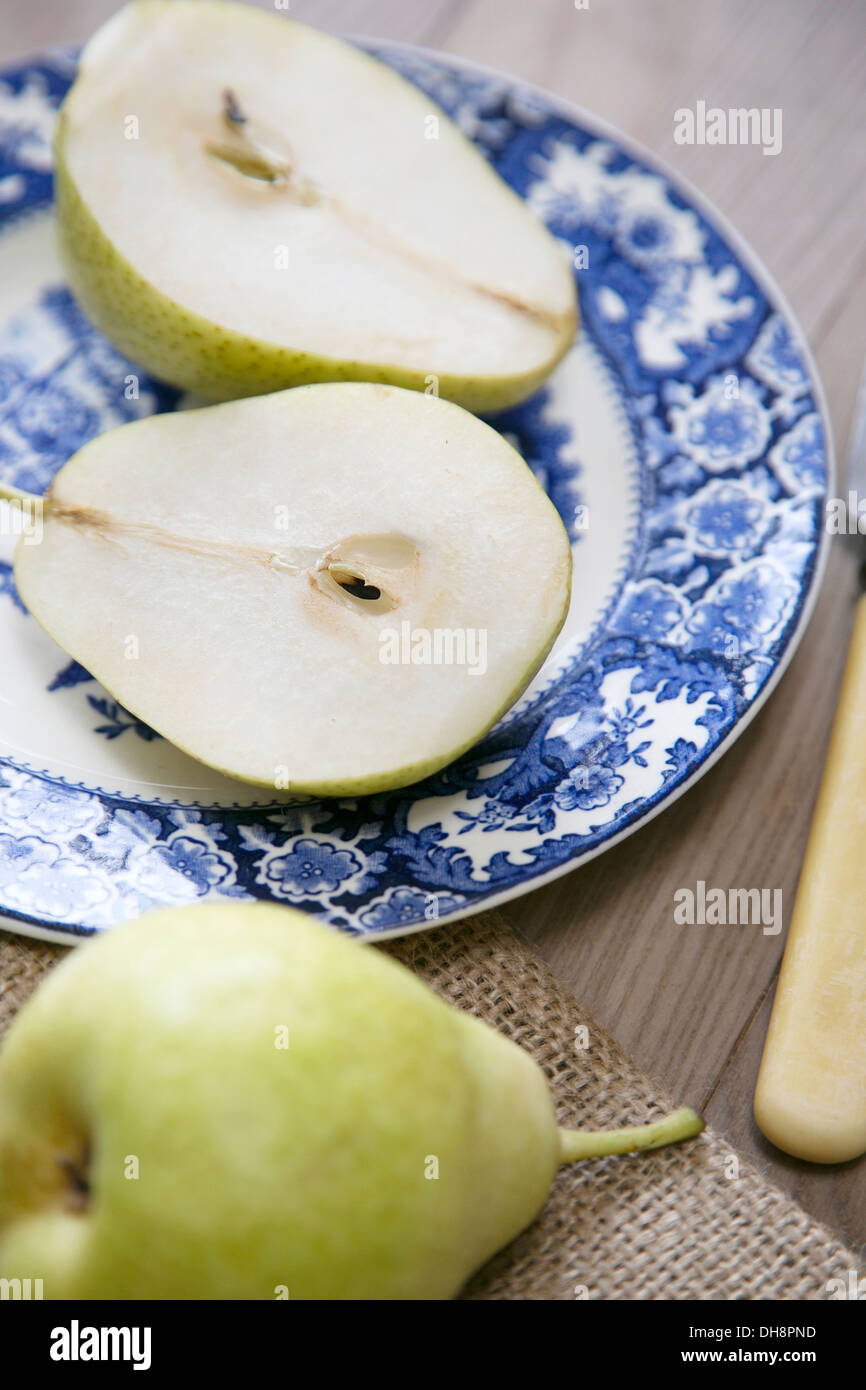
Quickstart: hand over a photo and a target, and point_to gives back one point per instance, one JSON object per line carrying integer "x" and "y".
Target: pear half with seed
{"x": 247, "y": 204}
{"x": 334, "y": 589}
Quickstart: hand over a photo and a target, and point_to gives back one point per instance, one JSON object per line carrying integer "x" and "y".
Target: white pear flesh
{"x": 196, "y": 564}
{"x": 336, "y": 240}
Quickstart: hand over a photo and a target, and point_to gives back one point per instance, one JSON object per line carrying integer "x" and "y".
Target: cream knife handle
{"x": 811, "y": 1093}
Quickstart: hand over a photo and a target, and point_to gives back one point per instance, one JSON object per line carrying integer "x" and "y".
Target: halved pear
{"x": 247, "y": 204}
{"x": 335, "y": 589}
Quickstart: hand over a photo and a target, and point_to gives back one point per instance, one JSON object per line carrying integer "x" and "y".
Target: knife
{"x": 810, "y": 1098}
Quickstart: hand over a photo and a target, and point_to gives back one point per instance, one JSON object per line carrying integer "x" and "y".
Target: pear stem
{"x": 680, "y": 1124}
{"x": 8, "y": 493}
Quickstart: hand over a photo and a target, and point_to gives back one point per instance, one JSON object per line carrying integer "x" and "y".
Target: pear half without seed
{"x": 304, "y": 1112}
{"x": 335, "y": 589}
{"x": 246, "y": 204}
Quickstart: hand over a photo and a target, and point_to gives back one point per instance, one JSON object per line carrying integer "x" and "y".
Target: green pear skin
{"x": 235, "y": 1102}
{"x": 259, "y": 1166}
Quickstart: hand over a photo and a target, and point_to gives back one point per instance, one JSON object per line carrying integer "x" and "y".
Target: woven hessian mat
{"x": 673, "y": 1224}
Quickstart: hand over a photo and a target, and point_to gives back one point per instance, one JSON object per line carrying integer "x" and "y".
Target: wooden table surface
{"x": 690, "y": 1003}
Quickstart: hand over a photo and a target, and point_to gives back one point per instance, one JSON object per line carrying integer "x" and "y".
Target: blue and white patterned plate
{"x": 684, "y": 441}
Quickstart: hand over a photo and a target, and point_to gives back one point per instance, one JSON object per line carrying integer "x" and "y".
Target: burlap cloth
{"x": 674, "y": 1224}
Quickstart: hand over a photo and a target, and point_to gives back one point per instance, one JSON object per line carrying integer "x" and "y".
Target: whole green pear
{"x": 234, "y": 1102}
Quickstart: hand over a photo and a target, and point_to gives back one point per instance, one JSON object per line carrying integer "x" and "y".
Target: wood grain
{"x": 690, "y": 1003}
